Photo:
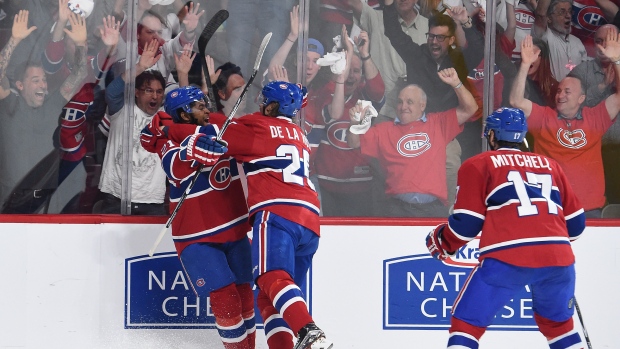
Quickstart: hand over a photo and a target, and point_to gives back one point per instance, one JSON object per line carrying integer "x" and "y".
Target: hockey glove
{"x": 433, "y": 243}
{"x": 201, "y": 148}
{"x": 152, "y": 134}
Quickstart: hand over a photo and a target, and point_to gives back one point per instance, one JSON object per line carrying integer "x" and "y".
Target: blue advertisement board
{"x": 419, "y": 292}
{"x": 158, "y": 295}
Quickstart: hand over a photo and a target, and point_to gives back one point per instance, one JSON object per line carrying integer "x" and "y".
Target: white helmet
{"x": 82, "y": 7}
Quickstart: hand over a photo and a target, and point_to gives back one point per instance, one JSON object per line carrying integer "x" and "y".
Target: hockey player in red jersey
{"x": 212, "y": 244}
{"x": 528, "y": 215}
{"x": 284, "y": 209}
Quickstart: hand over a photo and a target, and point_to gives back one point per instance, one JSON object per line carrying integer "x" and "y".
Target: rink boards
{"x": 372, "y": 285}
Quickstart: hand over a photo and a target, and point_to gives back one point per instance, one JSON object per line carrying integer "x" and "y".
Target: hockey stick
{"x": 583, "y": 326}
{"x": 207, "y": 33}
{"x": 259, "y": 57}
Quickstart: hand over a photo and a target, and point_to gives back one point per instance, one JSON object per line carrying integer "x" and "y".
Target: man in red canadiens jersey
{"x": 212, "y": 244}
{"x": 411, "y": 149}
{"x": 528, "y": 215}
{"x": 283, "y": 208}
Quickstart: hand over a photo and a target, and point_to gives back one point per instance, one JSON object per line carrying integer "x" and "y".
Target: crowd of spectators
{"x": 65, "y": 66}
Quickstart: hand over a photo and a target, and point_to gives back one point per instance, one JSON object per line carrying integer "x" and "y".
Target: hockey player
{"x": 284, "y": 209}
{"x": 212, "y": 245}
{"x": 528, "y": 215}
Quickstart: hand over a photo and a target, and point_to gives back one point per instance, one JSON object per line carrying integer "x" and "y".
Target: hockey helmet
{"x": 508, "y": 124}
{"x": 183, "y": 97}
{"x": 289, "y": 96}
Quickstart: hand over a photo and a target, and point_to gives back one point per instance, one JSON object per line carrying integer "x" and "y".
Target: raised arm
{"x": 610, "y": 10}
{"x": 183, "y": 62}
{"x": 149, "y": 57}
{"x": 460, "y": 17}
{"x": 511, "y": 19}
{"x": 63, "y": 18}
{"x": 612, "y": 52}
{"x": 279, "y": 57}
{"x": 336, "y": 108}
{"x": 80, "y": 70}
{"x": 529, "y": 54}
{"x": 355, "y": 115}
{"x": 467, "y": 104}
{"x": 540, "y": 18}
{"x": 190, "y": 22}
{"x": 19, "y": 32}
{"x": 356, "y": 7}
{"x": 402, "y": 43}
{"x": 370, "y": 69}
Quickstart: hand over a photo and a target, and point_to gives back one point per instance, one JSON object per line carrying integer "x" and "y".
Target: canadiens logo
{"x": 174, "y": 94}
{"x": 200, "y": 282}
{"x": 337, "y": 135}
{"x": 525, "y": 19}
{"x": 220, "y": 175}
{"x": 589, "y": 18}
{"x": 413, "y": 145}
{"x": 572, "y": 139}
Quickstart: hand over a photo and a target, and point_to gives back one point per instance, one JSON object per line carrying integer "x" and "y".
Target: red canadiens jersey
{"x": 339, "y": 167}
{"x": 587, "y": 18}
{"x": 522, "y": 203}
{"x": 412, "y": 154}
{"x": 215, "y": 210}
{"x": 525, "y": 20}
{"x": 275, "y": 155}
{"x": 576, "y": 146}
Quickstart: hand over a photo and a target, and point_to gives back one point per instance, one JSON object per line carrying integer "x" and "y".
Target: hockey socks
{"x": 560, "y": 335}
{"x": 226, "y": 307}
{"x": 286, "y": 297}
{"x": 247, "y": 310}
{"x": 277, "y": 332}
{"x": 464, "y": 335}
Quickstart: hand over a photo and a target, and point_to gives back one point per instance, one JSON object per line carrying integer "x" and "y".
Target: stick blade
{"x": 207, "y": 33}
{"x": 158, "y": 240}
{"x": 261, "y": 51}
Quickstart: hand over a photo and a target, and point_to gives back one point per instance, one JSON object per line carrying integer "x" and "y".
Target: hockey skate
{"x": 312, "y": 337}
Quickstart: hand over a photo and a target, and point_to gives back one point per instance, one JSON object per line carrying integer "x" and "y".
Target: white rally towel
{"x": 335, "y": 60}
{"x": 363, "y": 127}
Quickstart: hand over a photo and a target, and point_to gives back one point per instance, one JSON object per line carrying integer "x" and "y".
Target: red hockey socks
{"x": 247, "y": 310}
{"x": 286, "y": 297}
{"x": 464, "y": 335}
{"x": 560, "y": 335}
{"x": 226, "y": 306}
{"x": 277, "y": 332}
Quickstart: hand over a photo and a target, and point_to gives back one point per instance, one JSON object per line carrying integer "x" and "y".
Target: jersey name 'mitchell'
{"x": 523, "y": 160}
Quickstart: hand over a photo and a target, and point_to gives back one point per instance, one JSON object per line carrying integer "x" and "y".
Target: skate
{"x": 312, "y": 337}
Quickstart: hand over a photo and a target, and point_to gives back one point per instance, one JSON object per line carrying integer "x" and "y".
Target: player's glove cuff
{"x": 434, "y": 243}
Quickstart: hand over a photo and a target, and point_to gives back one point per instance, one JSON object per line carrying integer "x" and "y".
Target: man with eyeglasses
{"x": 552, "y": 23}
{"x": 424, "y": 61}
{"x": 148, "y": 180}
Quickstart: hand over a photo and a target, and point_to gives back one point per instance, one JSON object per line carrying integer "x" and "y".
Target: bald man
{"x": 412, "y": 149}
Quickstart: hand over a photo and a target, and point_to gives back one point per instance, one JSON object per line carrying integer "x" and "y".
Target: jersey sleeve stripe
{"x": 464, "y": 226}
{"x": 469, "y": 212}
{"x": 573, "y": 215}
